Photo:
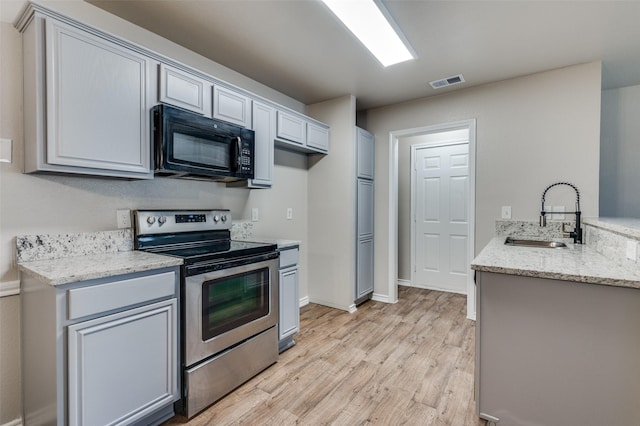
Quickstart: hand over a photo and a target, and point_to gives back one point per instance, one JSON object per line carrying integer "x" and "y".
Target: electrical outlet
{"x": 632, "y": 250}
{"x": 123, "y": 218}
{"x": 506, "y": 212}
{"x": 289, "y": 213}
{"x": 255, "y": 214}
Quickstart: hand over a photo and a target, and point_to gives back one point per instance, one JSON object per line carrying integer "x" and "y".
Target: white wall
{"x": 620, "y": 152}
{"x": 47, "y": 204}
{"x": 332, "y": 208}
{"x": 530, "y": 132}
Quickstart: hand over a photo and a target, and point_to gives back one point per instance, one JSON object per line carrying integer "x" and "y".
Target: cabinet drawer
{"x": 289, "y": 257}
{"x": 119, "y": 294}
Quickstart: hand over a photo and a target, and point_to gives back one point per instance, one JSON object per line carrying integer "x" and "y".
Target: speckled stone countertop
{"x": 65, "y": 258}
{"x": 622, "y": 226}
{"x": 82, "y": 268}
{"x": 579, "y": 263}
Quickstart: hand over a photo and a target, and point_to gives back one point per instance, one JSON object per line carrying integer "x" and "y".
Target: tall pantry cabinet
{"x": 364, "y": 214}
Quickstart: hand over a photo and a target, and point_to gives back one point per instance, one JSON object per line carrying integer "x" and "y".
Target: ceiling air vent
{"x": 449, "y": 81}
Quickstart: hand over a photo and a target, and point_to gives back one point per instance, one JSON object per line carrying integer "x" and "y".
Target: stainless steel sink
{"x": 534, "y": 243}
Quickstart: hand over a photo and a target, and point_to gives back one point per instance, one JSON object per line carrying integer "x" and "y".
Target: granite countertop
{"x": 627, "y": 227}
{"x": 579, "y": 263}
{"x": 102, "y": 265}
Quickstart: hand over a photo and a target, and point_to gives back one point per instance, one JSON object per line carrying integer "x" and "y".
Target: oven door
{"x": 224, "y": 307}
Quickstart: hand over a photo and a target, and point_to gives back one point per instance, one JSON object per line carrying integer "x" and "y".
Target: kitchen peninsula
{"x": 556, "y": 337}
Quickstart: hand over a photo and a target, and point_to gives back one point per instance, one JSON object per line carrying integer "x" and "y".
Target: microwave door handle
{"x": 238, "y": 152}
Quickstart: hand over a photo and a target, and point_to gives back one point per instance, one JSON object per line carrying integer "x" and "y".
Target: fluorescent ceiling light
{"x": 371, "y": 23}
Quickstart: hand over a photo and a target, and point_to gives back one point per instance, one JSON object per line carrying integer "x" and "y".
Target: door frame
{"x": 394, "y": 136}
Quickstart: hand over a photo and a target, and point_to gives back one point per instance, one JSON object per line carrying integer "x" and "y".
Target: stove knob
{"x": 151, "y": 220}
{"x": 224, "y": 218}
{"x": 162, "y": 220}
{"x": 216, "y": 218}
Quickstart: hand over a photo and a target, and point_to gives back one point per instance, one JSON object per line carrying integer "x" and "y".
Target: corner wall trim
{"x": 304, "y": 301}
{"x": 9, "y": 288}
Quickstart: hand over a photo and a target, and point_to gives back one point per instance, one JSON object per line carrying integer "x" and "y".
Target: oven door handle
{"x": 202, "y": 267}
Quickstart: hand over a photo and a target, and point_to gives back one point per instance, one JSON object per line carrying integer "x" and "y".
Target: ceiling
{"x": 300, "y": 49}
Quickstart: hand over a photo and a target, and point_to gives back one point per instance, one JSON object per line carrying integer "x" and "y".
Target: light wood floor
{"x": 387, "y": 364}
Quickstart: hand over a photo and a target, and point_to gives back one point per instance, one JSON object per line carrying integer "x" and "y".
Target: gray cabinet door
{"x": 289, "y": 321}
{"x": 97, "y": 96}
{"x": 264, "y": 125}
{"x": 364, "y": 273}
{"x": 184, "y": 90}
{"x": 123, "y": 366}
{"x": 366, "y": 154}
{"x": 365, "y": 208}
{"x": 231, "y": 106}
{"x": 317, "y": 137}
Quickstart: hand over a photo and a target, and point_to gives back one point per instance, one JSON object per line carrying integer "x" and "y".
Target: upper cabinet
{"x": 318, "y": 137}
{"x": 86, "y": 103}
{"x": 184, "y": 90}
{"x": 366, "y": 155}
{"x": 88, "y": 96}
{"x": 299, "y": 133}
{"x": 232, "y": 106}
{"x": 264, "y": 126}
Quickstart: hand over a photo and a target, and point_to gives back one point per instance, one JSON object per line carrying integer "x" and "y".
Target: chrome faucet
{"x": 576, "y": 234}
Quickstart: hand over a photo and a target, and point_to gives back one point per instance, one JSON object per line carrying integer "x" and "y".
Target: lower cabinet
{"x": 289, "y": 315}
{"x": 122, "y": 366}
{"x": 102, "y": 351}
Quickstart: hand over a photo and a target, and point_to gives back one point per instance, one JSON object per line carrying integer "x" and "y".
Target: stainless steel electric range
{"x": 229, "y": 300}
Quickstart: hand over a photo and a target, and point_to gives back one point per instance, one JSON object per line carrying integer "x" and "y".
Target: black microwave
{"x": 189, "y": 145}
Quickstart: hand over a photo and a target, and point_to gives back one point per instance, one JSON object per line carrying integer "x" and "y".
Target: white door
{"x": 441, "y": 217}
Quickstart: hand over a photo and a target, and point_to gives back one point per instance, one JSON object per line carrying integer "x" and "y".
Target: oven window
{"x": 230, "y": 302}
{"x": 195, "y": 150}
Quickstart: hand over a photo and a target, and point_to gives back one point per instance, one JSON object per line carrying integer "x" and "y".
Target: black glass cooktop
{"x": 222, "y": 250}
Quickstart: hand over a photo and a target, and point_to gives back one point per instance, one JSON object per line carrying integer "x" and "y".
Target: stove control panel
{"x": 170, "y": 221}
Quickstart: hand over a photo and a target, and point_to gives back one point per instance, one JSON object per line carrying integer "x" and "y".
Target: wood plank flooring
{"x": 409, "y": 363}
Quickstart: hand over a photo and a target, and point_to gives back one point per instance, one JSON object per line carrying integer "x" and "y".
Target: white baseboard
{"x": 382, "y": 298}
{"x": 405, "y": 283}
{"x": 16, "y": 422}
{"x": 9, "y": 288}
{"x": 304, "y": 301}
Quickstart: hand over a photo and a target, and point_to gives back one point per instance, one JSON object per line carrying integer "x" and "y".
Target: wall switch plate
{"x": 632, "y": 250}
{"x": 255, "y": 214}
{"x": 6, "y": 150}
{"x": 123, "y": 218}
{"x": 506, "y": 212}
{"x": 557, "y": 216}
{"x": 289, "y": 213}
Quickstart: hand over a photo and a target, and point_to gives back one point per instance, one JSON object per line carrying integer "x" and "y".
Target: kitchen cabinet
{"x": 317, "y": 137}
{"x": 291, "y": 128}
{"x": 366, "y": 156}
{"x": 264, "y": 126}
{"x": 556, "y": 352}
{"x": 364, "y": 215}
{"x": 298, "y": 133}
{"x": 231, "y": 106}
{"x": 184, "y": 90}
{"x": 86, "y": 102}
{"x": 103, "y": 351}
{"x": 87, "y": 96}
{"x": 289, "y": 316}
